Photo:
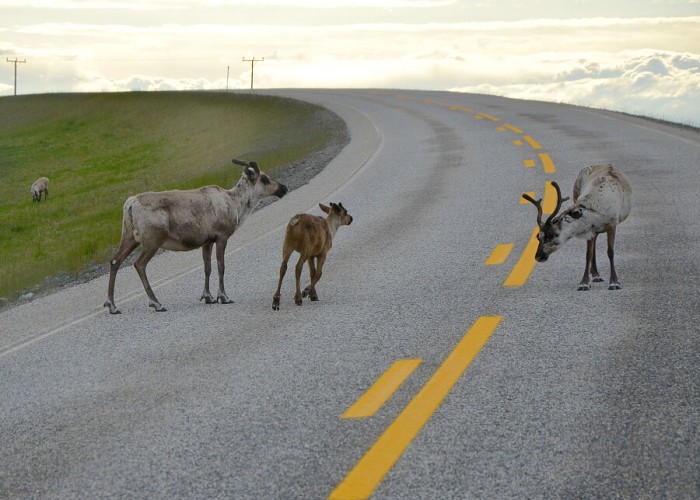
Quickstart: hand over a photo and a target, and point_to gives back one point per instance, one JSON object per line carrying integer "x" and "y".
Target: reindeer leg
{"x": 590, "y": 248}
{"x": 220, "y": 256}
{"x": 614, "y": 283}
{"x": 315, "y": 277}
{"x": 297, "y": 272}
{"x": 594, "y": 266}
{"x": 140, "y": 265}
{"x": 309, "y": 291}
{"x": 206, "y": 256}
{"x": 127, "y": 245}
{"x": 283, "y": 270}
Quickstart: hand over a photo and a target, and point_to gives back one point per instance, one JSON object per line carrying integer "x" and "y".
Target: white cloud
{"x": 659, "y": 84}
{"x": 596, "y": 61}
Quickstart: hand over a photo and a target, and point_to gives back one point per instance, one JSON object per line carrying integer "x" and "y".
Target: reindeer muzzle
{"x": 281, "y": 191}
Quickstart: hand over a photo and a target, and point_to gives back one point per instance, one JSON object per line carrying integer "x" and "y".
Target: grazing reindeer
{"x": 311, "y": 236}
{"x": 41, "y": 185}
{"x": 602, "y": 199}
{"x": 186, "y": 220}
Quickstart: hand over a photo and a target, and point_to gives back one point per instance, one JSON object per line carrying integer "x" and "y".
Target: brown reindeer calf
{"x": 311, "y": 236}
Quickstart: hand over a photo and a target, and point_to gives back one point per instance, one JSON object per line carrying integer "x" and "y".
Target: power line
{"x": 252, "y": 63}
{"x": 16, "y": 62}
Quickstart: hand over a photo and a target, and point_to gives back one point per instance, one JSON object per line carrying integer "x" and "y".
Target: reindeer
{"x": 602, "y": 200}
{"x": 41, "y": 185}
{"x": 186, "y": 220}
{"x": 311, "y": 236}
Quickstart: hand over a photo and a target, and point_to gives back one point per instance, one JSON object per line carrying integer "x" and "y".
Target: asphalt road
{"x": 531, "y": 390}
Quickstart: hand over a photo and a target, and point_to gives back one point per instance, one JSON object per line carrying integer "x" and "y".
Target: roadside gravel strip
{"x": 320, "y": 176}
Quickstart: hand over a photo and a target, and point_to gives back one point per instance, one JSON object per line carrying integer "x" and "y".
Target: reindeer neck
{"x": 244, "y": 197}
{"x": 590, "y": 223}
{"x": 333, "y": 224}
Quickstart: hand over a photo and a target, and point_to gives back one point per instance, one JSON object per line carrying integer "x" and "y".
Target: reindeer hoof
{"x": 597, "y": 279}
{"x": 208, "y": 299}
{"x": 306, "y": 292}
{"x": 157, "y": 307}
{"x": 223, "y": 299}
{"x": 615, "y": 286}
{"x": 112, "y": 308}
{"x": 275, "y": 303}
{"x": 583, "y": 287}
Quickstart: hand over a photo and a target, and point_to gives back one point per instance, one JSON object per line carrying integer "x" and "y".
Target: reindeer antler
{"x": 560, "y": 200}
{"x": 538, "y": 204}
{"x": 252, "y": 164}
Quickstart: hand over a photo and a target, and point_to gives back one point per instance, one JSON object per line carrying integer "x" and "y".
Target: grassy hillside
{"x": 97, "y": 149}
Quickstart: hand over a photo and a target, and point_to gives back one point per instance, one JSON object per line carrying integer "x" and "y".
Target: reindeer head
{"x": 262, "y": 184}
{"x": 550, "y": 232}
{"x": 339, "y": 211}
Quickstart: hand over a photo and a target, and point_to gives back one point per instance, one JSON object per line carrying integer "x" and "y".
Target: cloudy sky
{"x": 638, "y": 56}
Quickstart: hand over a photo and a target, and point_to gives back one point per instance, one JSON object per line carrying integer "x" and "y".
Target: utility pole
{"x": 16, "y": 62}
{"x": 228, "y": 69}
{"x": 252, "y": 63}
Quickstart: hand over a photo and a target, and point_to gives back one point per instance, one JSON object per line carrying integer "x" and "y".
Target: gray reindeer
{"x": 187, "y": 220}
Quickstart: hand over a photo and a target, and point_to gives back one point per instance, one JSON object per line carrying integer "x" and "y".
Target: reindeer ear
{"x": 250, "y": 173}
{"x": 325, "y": 208}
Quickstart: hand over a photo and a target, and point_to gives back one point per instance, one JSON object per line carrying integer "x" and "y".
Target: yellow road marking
{"x": 532, "y": 142}
{"x": 490, "y": 117}
{"x": 499, "y": 254}
{"x": 433, "y": 101}
{"x": 550, "y": 198}
{"x": 529, "y": 163}
{"x": 461, "y": 108}
{"x": 382, "y": 389}
{"x": 381, "y": 457}
{"x": 514, "y": 129}
{"x": 517, "y": 142}
{"x": 547, "y": 163}
{"x": 526, "y": 263}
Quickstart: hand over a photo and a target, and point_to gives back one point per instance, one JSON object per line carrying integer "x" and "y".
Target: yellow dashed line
{"x": 381, "y": 457}
{"x": 522, "y": 269}
{"x": 514, "y": 129}
{"x": 499, "y": 254}
{"x": 382, "y": 389}
{"x": 547, "y": 163}
{"x": 532, "y": 142}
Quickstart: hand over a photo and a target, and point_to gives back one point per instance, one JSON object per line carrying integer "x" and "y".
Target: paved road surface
{"x": 422, "y": 372}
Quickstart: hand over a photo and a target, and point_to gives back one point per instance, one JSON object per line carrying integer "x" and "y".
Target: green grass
{"x": 98, "y": 149}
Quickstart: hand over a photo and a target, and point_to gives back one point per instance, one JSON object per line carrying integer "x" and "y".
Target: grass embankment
{"x": 98, "y": 149}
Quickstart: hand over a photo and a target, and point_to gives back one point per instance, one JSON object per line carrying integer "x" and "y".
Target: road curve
{"x": 440, "y": 362}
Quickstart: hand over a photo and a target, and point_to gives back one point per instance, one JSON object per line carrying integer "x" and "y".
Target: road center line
{"x": 526, "y": 263}
{"x": 381, "y": 457}
{"x": 532, "y": 142}
{"x": 499, "y": 254}
{"x": 382, "y": 389}
{"x": 547, "y": 163}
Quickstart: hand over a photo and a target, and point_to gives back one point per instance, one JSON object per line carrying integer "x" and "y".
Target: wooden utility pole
{"x": 252, "y": 64}
{"x": 16, "y": 62}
